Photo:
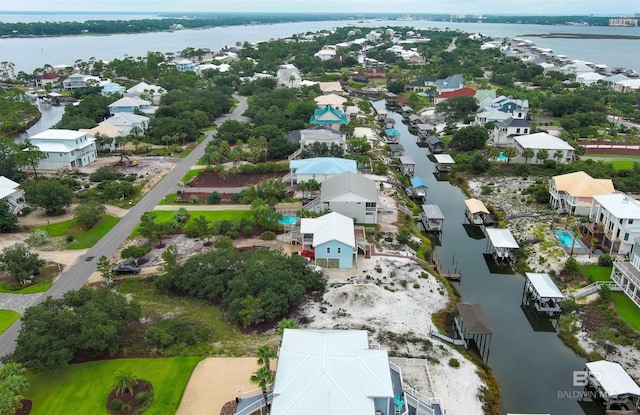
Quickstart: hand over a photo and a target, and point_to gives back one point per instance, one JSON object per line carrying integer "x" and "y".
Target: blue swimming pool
{"x": 502, "y": 157}
{"x": 566, "y": 239}
{"x": 288, "y": 220}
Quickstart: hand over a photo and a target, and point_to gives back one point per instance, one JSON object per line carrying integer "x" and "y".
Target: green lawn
{"x": 191, "y": 174}
{"x": 44, "y": 282}
{"x": 82, "y": 238}
{"x": 628, "y": 311}
{"x": 84, "y": 388}
{"x": 595, "y": 272}
{"x": 7, "y": 318}
{"x": 167, "y": 216}
{"x": 169, "y": 199}
{"x": 621, "y": 164}
{"x": 612, "y": 156}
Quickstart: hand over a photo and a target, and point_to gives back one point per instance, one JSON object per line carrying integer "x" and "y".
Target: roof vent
{"x": 625, "y": 199}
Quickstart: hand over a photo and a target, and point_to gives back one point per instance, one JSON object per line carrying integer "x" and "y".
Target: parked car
{"x": 126, "y": 269}
{"x": 308, "y": 254}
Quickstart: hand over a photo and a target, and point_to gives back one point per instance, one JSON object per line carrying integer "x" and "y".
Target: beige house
{"x": 573, "y": 192}
{"x": 334, "y": 100}
{"x": 331, "y": 88}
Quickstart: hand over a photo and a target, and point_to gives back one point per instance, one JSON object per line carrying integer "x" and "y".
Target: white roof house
{"x": 331, "y": 99}
{"x": 64, "y": 149}
{"x": 619, "y": 216}
{"x": 146, "y": 91}
{"x": 289, "y": 75}
{"x": 126, "y": 121}
{"x": 501, "y": 238}
{"x": 589, "y": 78}
{"x": 612, "y": 379}
{"x": 544, "y": 285}
{"x": 7, "y": 187}
{"x": 329, "y": 372}
{"x": 11, "y": 193}
{"x": 330, "y": 227}
{"x": 544, "y": 141}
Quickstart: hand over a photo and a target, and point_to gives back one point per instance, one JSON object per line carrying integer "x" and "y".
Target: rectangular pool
{"x": 566, "y": 239}
{"x": 288, "y": 220}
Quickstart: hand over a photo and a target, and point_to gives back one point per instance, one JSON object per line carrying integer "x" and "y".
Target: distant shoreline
{"x": 581, "y": 36}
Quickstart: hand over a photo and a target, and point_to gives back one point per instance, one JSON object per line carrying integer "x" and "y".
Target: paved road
{"x": 77, "y": 275}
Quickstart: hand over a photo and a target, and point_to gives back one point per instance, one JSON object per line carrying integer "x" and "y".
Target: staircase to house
{"x": 593, "y": 288}
{"x": 295, "y": 154}
{"x": 313, "y": 205}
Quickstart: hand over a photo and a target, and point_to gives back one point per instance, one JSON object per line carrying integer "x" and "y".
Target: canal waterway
{"x": 51, "y": 115}
{"x": 534, "y": 368}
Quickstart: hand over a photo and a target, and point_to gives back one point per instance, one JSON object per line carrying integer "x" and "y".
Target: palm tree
{"x": 542, "y": 155}
{"x": 558, "y": 155}
{"x": 494, "y": 152}
{"x": 593, "y": 244}
{"x": 527, "y": 153}
{"x": 287, "y": 323}
{"x": 263, "y": 377}
{"x": 13, "y": 383}
{"x": 264, "y": 354}
{"x": 576, "y": 231}
{"x": 124, "y": 381}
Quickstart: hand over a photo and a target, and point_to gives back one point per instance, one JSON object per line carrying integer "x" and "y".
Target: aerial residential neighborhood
{"x": 384, "y": 219}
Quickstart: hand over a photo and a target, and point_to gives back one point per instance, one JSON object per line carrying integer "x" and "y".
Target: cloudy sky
{"x": 546, "y": 7}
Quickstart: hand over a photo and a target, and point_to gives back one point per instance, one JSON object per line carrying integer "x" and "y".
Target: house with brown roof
{"x": 48, "y": 78}
{"x": 573, "y": 192}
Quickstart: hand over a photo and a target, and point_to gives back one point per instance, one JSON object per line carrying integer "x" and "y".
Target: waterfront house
{"x": 146, "y": 91}
{"x": 65, "y": 149}
{"x": 575, "y": 68}
{"x": 627, "y": 86}
{"x": 322, "y": 134}
{"x": 128, "y": 123}
{"x": 627, "y": 274}
{"x": 109, "y": 88}
{"x": 462, "y": 92}
{"x": 505, "y": 131}
{"x": 589, "y": 78}
{"x": 319, "y": 168}
{"x": 78, "y": 80}
{"x": 329, "y": 116}
{"x": 323, "y": 372}
{"x": 613, "y": 386}
{"x": 544, "y": 141}
{"x": 47, "y": 79}
{"x": 11, "y": 193}
{"x": 432, "y": 218}
{"x": 573, "y": 193}
{"x": 332, "y": 239}
{"x": 334, "y": 100}
{"x": 185, "y": 65}
{"x": 443, "y": 162}
{"x": 350, "y": 194}
{"x": 131, "y": 105}
{"x": 615, "y": 221}
{"x": 450, "y": 83}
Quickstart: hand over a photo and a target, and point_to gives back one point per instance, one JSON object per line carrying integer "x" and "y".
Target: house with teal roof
{"x": 329, "y": 116}
{"x": 320, "y": 168}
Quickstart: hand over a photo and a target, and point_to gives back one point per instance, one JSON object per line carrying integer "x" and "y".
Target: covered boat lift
{"x": 501, "y": 245}
{"x": 432, "y": 218}
{"x": 393, "y": 135}
{"x": 612, "y": 385}
{"x": 397, "y": 150}
{"x": 476, "y": 211}
{"x": 471, "y": 324}
{"x": 443, "y": 162}
{"x": 407, "y": 165}
{"x": 542, "y": 294}
{"x": 418, "y": 189}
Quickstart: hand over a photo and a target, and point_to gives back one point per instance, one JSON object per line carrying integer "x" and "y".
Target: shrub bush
{"x": 116, "y": 404}
{"x": 454, "y": 362}
{"x": 214, "y": 198}
{"x": 142, "y": 396}
{"x": 605, "y": 260}
{"x": 177, "y": 330}
{"x": 70, "y": 238}
{"x": 268, "y": 236}
{"x": 247, "y": 230}
{"x": 233, "y": 234}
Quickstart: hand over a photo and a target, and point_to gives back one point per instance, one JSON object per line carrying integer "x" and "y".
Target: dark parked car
{"x": 126, "y": 269}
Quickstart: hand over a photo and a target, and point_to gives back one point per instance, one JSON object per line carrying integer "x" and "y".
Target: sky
{"x": 519, "y": 7}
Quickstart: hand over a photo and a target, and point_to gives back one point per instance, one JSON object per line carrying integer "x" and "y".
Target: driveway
{"x": 77, "y": 275}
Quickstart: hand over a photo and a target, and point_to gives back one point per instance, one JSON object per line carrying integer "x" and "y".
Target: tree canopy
{"x": 470, "y": 138}
{"x": 49, "y": 194}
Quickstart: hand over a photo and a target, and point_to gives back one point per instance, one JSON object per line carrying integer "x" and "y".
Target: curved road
{"x": 77, "y": 275}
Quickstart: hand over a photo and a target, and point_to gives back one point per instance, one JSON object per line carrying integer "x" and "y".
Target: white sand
{"x": 358, "y": 302}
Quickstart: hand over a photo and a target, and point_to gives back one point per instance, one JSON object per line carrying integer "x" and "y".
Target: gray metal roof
{"x": 347, "y": 187}
{"x": 432, "y": 211}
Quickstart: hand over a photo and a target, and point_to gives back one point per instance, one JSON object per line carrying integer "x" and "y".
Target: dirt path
{"x": 216, "y": 381}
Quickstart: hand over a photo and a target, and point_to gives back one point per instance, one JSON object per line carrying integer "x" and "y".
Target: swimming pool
{"x": 566, "y": 239}
{"x": 288, "y": 220}
{"x": 502, "y": 157}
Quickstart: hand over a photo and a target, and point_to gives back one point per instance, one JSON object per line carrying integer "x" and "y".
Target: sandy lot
{"x": 215, "y": 381}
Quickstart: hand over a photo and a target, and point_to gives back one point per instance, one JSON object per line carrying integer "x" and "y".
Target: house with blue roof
{"x": 329, "y": 116}
{"x": 450, "y": 83}
{"x": 185, "y": 65}
{"x": 320, "y": 168}
{"x": 109, "y": 88}
{"x": 131, "y": 105}
{"x": 418, "y": 188}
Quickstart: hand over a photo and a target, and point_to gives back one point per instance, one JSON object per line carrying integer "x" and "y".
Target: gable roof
{"x": 424, "y": 80}
{"x": 328, "y": 115}
{"x": 392, "y": 132}
{"x": 58, "y": 134}
{"x": 501, "y": 238}
{"x": 542, "y": 141}
{"x": 330, "y": 227}
{"x": 476, "y": 206}
{"x": 348, "y": 187}
{"x": 514, "y": 122}
{"x": 330, "y": 86}
{"x": 144, "y": 87}
{"x": 106, "y": 130}
{"x": 453, "y": 81}
{"x": 329, "y": 372}
{"x": 331, "y": 99}
{"x": 125, "y": 118}
{"x": 418, "y": 181}
{"x": 580, "y": 184}
{"x": 130, "y": 102}
{"x": 323, "y": 165}
{"x": 613, "y": 378}
{"x": 396, "y": 147}
{"x": 7, "y": 187}
{"x": 321, "y": 133}
{"x": 433, "y": 140}
{"x": 444, "y": 159}
{"x": 493, "y": 114}
{"x": 473, "y": 318}
{"x": 432, "y": 211}
{"x": 407, "y": 160}
{"x": 544, "y": 285}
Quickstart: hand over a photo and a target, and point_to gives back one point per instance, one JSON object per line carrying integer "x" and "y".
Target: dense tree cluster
{"x": 15, "y": 112}
{"x": 263, "y": 285}
{"x": 87, "y": 323}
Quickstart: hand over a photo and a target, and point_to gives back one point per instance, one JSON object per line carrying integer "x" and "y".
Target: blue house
{"x": 329, "y": 116}
{"x": 130, "y": 104}
{"x": 109, "y": 88}
{"x": 185, "y": 65}
{"x": 332, "y": 238}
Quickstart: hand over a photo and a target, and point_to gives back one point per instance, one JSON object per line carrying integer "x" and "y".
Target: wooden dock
{"x": 438, "y": 268}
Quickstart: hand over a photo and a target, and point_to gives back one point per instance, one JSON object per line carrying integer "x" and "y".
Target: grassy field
{"x": 612, "y": 156}
{"x": 7, "y": 318}
{"x": 167, "y": 215}
{"x": 44, "y": 282}
{"x": 628, "y": 311}
{"x": 595, "y": 272}
{"x": 226, "y": 339}
{"x": 84, "y": 388}
{"x": 191, "y": 174}
{"x": 82, "y": 238}
{"x": 621, "y": 164}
